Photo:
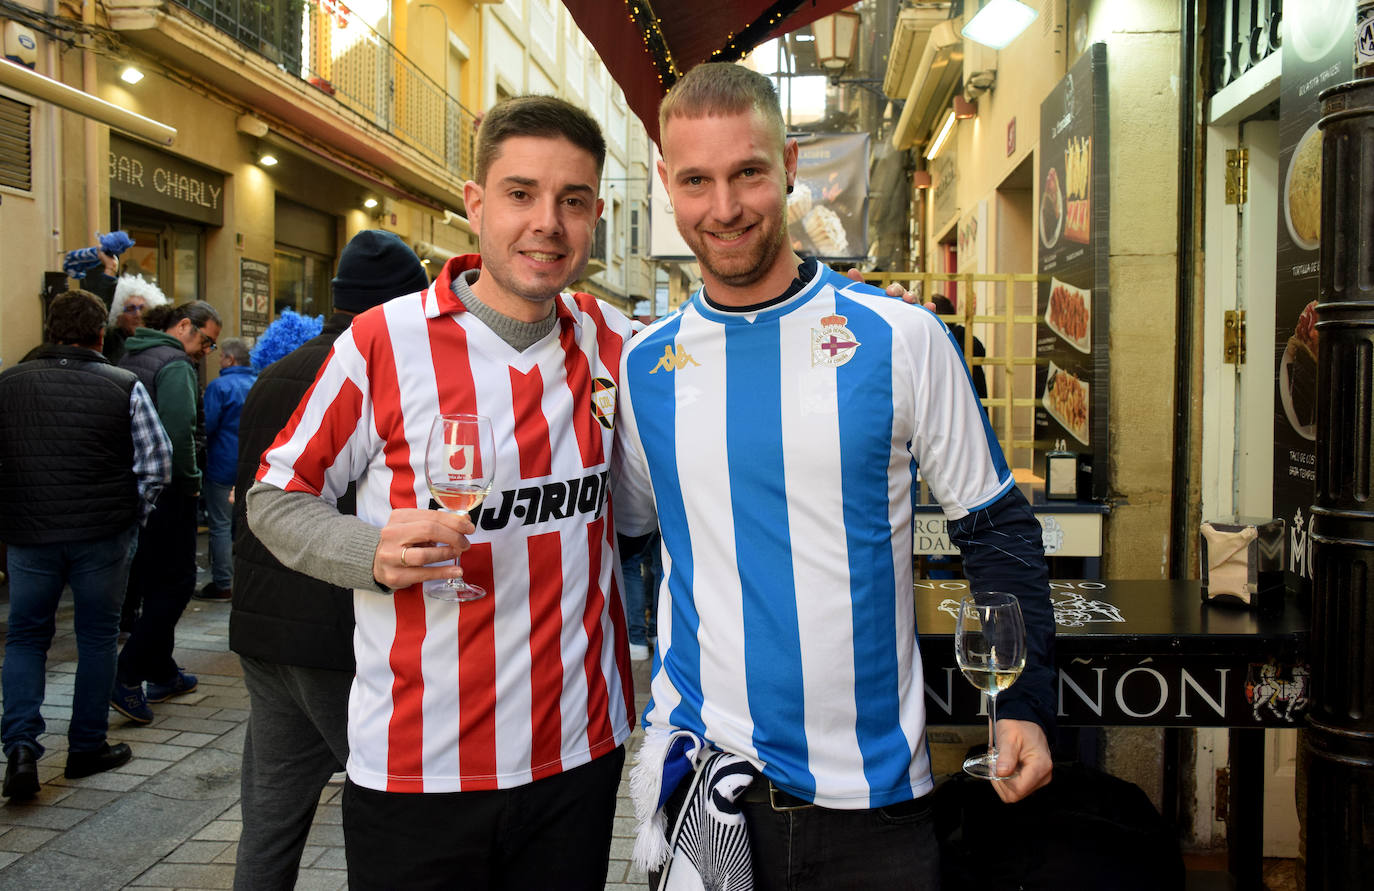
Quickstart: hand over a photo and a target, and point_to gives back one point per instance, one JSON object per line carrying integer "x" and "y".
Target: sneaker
{"x": 182, "y": 683}
{"x": 131, "y": 703}
{"x": 107, "y": 757}
{"x": 214, "y": 593}
{"x": 639, "y": 652}
{"x": 21, "y": 774}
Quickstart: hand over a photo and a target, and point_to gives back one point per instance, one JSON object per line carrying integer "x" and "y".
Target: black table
{"x": 1151, "y": 654}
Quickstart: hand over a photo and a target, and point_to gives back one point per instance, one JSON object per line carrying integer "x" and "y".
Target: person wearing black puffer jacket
{"x": 82, "y": 459}
{"x": 294, "y": 633}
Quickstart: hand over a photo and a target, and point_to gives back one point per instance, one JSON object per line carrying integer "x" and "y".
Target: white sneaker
{"x": 639, "y": 652}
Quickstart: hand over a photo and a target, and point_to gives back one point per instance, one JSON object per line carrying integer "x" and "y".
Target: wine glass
{"x": 459, "y": 461}
{"x": 990, "y": 647}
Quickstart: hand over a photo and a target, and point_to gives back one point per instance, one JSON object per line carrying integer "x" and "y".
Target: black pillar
{"x": 1340, "y": 785}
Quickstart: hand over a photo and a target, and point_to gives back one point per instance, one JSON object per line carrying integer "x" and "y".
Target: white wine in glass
{"x": 459, "y": 463}
{"x": 990, "y": 647}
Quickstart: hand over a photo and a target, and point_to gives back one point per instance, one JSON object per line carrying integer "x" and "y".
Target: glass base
{"x": 985, "y": 767}
{"x": 453, "y": 590}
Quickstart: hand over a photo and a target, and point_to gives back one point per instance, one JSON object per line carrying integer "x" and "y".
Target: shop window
{"x": 16, "y": 146}
{"x": 301, "y": 282}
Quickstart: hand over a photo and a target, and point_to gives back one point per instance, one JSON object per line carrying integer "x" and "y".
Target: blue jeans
{"x": 641, "y": 591}
{"x": 96, "y": 571}
{"x": 221, "y": 516}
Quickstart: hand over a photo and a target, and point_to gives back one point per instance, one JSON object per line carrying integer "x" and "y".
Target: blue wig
{"x": 289, "y": 331}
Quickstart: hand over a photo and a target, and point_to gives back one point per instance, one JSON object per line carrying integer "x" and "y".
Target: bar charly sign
{"x": 143, "y": 175}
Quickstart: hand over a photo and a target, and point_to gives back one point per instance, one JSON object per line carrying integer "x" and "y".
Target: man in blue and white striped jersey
{"x": 779, "y": 418}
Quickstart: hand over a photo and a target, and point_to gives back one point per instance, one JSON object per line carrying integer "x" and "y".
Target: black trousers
{"x": 554, "y": 833}
{"x": 163, "y": 576}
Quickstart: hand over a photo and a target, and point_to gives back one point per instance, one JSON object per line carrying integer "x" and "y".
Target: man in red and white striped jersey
{"x": 486, "y": 739}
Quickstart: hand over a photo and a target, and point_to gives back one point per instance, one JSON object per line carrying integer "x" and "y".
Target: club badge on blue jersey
{"x": 603, "y": 401}
{"x": 832, "y": 344}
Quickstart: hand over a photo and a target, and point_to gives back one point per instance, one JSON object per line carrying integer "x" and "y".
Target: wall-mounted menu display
{"x": 1071, "y": 384}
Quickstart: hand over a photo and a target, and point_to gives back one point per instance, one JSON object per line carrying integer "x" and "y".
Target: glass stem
{"x": 992, "y": 728}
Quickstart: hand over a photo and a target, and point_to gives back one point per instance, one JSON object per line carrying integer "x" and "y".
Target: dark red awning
{"x": 646, "y": 46}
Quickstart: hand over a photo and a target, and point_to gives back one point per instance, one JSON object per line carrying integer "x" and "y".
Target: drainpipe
{"x": 91, "y": 139}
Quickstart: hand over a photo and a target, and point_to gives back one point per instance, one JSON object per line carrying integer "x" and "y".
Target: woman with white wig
{"x": 133, "y": 297}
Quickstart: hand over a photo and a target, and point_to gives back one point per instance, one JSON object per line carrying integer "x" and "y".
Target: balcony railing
{"x": 327, "y": 45}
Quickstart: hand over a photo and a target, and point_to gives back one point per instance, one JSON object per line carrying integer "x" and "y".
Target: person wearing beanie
{"x": 294, "y": 633}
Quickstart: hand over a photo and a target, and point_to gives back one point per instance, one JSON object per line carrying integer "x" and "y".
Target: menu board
{"x": 1317, "y": 53}
{"x": 1071, "y": 224}
{"x": 254, "y": 305}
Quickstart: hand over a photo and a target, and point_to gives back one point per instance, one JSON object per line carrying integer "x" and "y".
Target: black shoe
{"x": 21, "y": 776}
{"x": 214, "y": 594}
{"x": 107, "y": 757}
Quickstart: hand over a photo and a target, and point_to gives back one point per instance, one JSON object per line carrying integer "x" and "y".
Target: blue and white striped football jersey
{"x": 781, "y": 448}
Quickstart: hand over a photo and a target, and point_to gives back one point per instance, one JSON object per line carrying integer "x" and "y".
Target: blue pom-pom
{"x": 289, "y": 331}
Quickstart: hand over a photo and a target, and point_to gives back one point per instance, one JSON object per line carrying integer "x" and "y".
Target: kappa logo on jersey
{"x": 832, "y": 344}
{"x": 603, "y": 401}
{"x": 674, "y": 360}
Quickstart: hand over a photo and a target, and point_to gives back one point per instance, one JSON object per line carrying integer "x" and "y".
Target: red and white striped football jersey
{"x": 533, "y": 679}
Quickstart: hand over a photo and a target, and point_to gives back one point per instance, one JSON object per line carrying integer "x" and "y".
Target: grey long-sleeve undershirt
{"x": 307, "y": 534}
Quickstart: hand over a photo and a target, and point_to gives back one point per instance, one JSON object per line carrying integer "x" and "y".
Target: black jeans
{"x": 163, "y": 576}
{"x": 553, "y": 833}
{"x": 808, "y": 848}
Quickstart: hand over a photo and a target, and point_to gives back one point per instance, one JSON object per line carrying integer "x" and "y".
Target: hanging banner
{"x": 1316, "y": 54}
{"x": 827, "y": 211}
{"x": 1071, "y": 337}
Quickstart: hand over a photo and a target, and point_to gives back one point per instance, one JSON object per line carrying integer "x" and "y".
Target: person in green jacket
{"x": 163, "y": 575}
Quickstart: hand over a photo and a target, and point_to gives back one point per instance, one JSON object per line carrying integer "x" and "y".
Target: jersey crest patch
{"x": 603, "y": 402}
{"x": 832, "y": 344}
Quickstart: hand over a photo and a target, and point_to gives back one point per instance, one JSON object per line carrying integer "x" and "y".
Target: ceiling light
{"x": 130, "y": 75}
{"x": 370, "y": 203}
{"x": 999, "y": 22}
{"x": 267, "y": 159}
{"x": 939, "y": 141}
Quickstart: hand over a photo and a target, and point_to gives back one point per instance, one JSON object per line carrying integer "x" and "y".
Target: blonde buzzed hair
{"x": 722, "y": 88}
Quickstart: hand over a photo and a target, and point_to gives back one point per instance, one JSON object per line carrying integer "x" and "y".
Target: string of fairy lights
{"x": 736, "y": 47}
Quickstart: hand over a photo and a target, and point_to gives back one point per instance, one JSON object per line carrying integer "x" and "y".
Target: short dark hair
{"x": 942, "y": 305}
{"x": 76, "y": 318}
{"x": 198, "y": 311}
{"x": 546, "y": 117}
{"x": 722, "y": 88}
{"x": 157, "y": 318}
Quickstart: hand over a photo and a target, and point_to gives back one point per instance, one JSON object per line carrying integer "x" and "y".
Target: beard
{"x": 739, "y": 268}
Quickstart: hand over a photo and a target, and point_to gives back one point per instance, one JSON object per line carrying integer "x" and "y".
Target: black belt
{"x": 764, "y": 791}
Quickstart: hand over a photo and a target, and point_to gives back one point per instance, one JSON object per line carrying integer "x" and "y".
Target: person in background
{"x": 942, "y": 306}
{"x": 163, "y": 575}
{"x": 133, "y": 296}
{"x": 83, "y": 457}
{"x": 642, "y": 569}
{"x": 787, "y": 640}
{"x": 294, "y": 633}
{"x": 223, "y": 402}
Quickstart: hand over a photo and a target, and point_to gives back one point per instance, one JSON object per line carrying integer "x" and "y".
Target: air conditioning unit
{"x": 937, "y": 76}
{"x": 909, "y": 35}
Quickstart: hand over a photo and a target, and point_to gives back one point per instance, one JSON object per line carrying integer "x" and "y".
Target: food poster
{"x": 1318, "y": 47}
{"x": 1071, "y": 226}
{"x": 827, "y": 211}
{"x": 254, "y": 291}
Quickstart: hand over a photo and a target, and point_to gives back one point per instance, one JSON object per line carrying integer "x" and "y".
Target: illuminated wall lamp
{"x": 130, "y": 75}
{"x": 837, "y": 39}
{"x": 964, "y": 109}
{"x": 939, "y": 141}
{"x": 267, "y": 159}
{"x": 921, "y": 179}
{"x": 370, "y": 203}
{"x": 999, "y": 22}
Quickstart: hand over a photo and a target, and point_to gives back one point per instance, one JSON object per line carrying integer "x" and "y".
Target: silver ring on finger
{"x": 404, "y": 548}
